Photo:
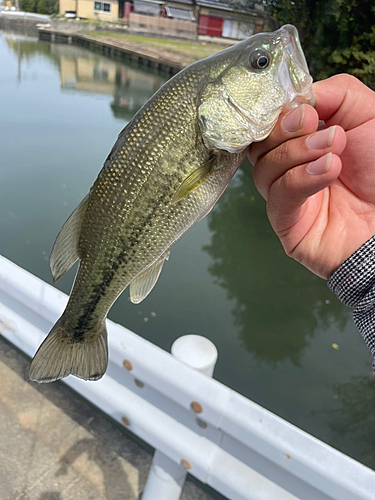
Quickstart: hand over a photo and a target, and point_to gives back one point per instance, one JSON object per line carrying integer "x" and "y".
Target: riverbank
{"x": 165, "y": 55}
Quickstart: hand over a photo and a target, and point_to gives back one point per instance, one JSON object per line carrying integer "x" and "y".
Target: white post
{"x": 197, "y": 352}
{"x": 166, "y": 478}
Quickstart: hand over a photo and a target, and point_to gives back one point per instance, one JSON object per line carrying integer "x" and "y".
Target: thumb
{"x": 343, "y": 100}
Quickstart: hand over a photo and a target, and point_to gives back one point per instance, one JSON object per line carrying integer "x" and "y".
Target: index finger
{"x": 296, "y": 123}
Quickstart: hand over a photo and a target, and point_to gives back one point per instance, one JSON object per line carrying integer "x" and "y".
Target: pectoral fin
{"x": 194, "y": 180}
{"x": 141, "y": 286}
{"x": 65, "y": 249}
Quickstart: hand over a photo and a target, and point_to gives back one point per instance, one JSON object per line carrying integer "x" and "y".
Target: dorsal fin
{"x": 142, "y": 285}
{"x": 65, "y": 249}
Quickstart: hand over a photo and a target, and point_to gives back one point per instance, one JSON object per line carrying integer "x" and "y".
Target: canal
{"x": 284, "y": 341}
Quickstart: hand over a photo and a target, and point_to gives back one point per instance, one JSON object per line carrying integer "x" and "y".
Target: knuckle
{"x": 346, "y": 80}
{"x": 287, "y": 187}
{"x": 350, "y": 79}
{"x": 290, "y": 180}
{"x": 281, "y": 153}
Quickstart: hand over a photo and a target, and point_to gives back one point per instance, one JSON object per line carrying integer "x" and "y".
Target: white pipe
{"x": 166, "y": 478}
{"x": 197, "y": 352}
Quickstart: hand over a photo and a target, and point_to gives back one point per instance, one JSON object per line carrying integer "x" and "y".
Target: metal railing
{"x": 29, "y": 16}
{"x": 196, "y": 424}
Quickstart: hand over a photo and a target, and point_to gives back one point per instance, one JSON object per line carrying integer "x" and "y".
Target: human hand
{"x": 320, "y": 186}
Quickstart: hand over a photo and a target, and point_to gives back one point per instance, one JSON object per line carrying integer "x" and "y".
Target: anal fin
{"x": 142, "y": 285}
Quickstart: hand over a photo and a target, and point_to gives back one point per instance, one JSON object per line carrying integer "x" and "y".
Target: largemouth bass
{"x": 168, "y": 168}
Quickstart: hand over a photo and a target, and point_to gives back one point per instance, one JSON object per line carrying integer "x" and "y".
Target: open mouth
{"x": 294, "y": 71}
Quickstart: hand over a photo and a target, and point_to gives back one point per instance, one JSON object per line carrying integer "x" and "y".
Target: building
{"x": 90, "y": 9}
{"x": 194, "y": 17}
{"x": 219, "y": 19}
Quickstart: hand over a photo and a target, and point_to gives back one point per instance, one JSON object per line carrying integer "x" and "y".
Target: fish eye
{"x": 260, "y": 59}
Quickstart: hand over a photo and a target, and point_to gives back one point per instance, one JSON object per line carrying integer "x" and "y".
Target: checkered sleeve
{"x": 354, "y": 285}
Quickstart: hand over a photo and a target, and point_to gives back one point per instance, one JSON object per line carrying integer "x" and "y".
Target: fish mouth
{"x": 294, "y": 72}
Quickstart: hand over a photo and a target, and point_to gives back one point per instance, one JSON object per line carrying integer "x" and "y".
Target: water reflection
{"x": 26, "y": 48}
{"x": 277, "y": 302}
{"x": 83, "y": 71}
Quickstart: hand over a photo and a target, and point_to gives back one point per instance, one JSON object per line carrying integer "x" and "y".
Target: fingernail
{"x": 320, "y": 166}
{"x": 292, "y": 121}
{"x": 322, "y": 139}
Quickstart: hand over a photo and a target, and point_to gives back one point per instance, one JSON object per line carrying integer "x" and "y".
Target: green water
{"x": 273, "y": 322}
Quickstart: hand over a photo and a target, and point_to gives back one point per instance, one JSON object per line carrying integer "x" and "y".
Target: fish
{"x": 167, "y": 169}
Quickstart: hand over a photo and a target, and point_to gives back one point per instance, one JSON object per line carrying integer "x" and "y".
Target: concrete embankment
{"x": 109, "y": 40}
{"x": 19, "y": 20}
{"x": 156, "y": 58}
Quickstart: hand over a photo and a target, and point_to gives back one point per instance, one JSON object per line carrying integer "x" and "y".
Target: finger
{"x": 295, "y": 152}
{"x": 300, "y": 121}
{"x": 344, "y": 100}
{"x": 288, "y": 195}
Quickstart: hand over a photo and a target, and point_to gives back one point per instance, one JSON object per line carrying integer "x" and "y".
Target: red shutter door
{"x": 210, "y": 25}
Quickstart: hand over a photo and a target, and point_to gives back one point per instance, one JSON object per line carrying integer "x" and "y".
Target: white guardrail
{"x": 29, "y": 16}
{"x": 195, "y": 423}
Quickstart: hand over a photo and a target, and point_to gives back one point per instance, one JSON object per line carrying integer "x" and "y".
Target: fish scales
{"x": 151, "y": 184}
{"x": 165, "y": 172}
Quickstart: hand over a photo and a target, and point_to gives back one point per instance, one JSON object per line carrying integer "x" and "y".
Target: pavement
{"x": 54, "y": 445}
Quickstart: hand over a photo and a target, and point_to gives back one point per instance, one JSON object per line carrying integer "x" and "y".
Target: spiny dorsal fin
{"x": 194, "y": 180}
{"x": 142, "y": 285}
{"x": 65, "y": 249}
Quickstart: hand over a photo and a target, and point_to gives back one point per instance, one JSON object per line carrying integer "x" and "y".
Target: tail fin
{"x": 58, "y": 356}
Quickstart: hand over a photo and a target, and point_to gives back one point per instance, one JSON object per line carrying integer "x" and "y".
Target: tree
{"x": 337, "y": 35}
{"x": 48, "y": 7}
{"x": 346, "y": 39}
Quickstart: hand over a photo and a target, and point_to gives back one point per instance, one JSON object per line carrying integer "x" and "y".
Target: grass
{"x": 196, "y": 50}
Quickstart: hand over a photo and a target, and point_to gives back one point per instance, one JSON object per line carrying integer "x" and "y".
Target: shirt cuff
{"x": 354, "y": 285}
{"x": 356, "y": 276}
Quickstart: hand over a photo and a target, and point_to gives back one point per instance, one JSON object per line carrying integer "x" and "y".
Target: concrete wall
{"x": 162, "y": 25}
{"x": 21, "y": 20}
